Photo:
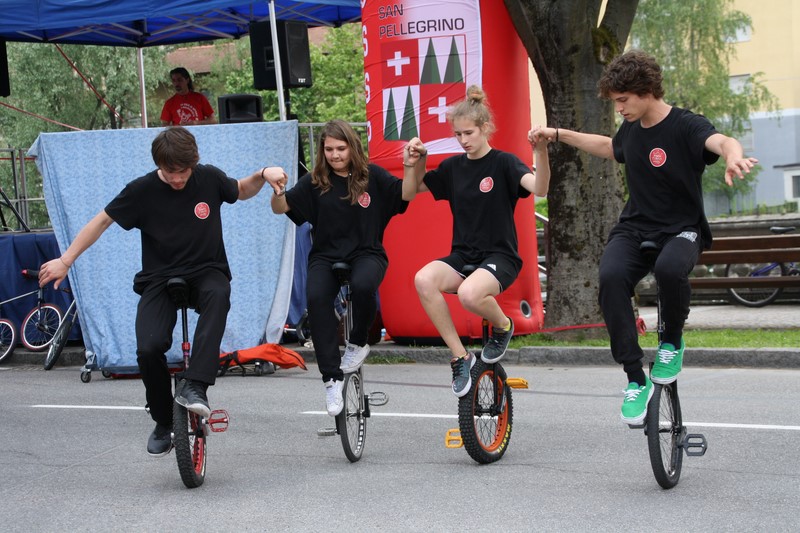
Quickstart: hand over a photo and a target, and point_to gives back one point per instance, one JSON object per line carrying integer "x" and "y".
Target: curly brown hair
{"x": 634, "y": 72}
{"x": 358, "y": 178}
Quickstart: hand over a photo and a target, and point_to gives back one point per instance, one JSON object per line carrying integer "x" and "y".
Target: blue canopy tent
{"x": 142, "y": 23}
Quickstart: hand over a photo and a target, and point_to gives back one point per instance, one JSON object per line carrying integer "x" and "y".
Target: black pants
{"x": 156, "y": 317}
{"x": 321, "y": 289}
{"x": 622, "y": 267}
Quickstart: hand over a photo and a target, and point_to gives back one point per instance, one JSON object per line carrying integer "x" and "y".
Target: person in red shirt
{"x": 187, "y": 107}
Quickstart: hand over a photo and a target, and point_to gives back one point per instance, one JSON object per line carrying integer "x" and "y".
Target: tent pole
{"x": 142, "y": 97}
{"x": 276, "y": 54}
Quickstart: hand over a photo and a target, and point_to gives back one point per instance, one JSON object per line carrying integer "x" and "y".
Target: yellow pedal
{"x": 517, "y": 383}
{"x": 453, "y": 439}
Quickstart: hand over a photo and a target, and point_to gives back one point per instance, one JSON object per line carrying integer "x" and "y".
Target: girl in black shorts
{"x": 482, "y": 186}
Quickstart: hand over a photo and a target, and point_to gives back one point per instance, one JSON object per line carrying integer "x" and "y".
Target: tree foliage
{"x": 693, "y": 42}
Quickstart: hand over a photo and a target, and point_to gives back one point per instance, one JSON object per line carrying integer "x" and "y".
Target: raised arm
{"x": 251, "y": 185}
{"x": 538, "y": 183}
{"x": 736, "y": 164}
{"x": 414, "y": 157}
{"x": 57, "y": 269}
{"x": 597, "y": 145}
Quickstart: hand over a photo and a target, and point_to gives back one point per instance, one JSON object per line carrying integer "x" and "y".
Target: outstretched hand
{"x": 738, "y": 167}
{"x": 52, "y": 270}
{"x": 541, "y": 136}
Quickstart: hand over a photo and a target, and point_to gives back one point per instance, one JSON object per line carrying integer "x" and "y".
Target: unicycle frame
{"x": 351, "y": 423}
{"x": 667, "y": 437}
{"x": 190, "y": 430}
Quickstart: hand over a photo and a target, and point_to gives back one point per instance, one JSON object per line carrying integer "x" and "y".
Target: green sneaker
{"x": 634, "y": 406}
{"x": 668, "y": 364}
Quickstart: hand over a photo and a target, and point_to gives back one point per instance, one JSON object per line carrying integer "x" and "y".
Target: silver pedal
{"x": 377, "y": 398}
{"x": 326, "y": 432}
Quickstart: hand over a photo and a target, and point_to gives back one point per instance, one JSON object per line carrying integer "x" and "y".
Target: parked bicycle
{"x": 760, "y": 296}
{"x": 39, "y": 326}
{"x": 61, "y": 336}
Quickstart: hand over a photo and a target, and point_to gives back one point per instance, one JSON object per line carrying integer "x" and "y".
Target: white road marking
{"x": 109, "y": 407}
{"x": 742, "y": 426}
{"x": 397, "y": 415}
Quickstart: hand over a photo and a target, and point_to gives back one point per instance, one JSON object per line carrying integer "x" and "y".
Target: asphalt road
{"x": 73, "y": 458}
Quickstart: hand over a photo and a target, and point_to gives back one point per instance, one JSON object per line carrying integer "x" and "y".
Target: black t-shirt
{"x": 181, "y": 230}
{"x": 343, "y": 231}
{"x": 482, "y": 194}
{"x": 664, "y": 169}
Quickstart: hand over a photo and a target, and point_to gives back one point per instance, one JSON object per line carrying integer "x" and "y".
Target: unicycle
{"x": 667, "y": 437}
{"x": 351, "y": 423}
{"x": 486, "y": 412}
{"x": 189, "y": 430}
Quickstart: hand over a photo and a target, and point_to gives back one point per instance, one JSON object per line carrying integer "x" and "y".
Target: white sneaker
{"x": 333, "y": 397}
{"x": 354, "y": 357}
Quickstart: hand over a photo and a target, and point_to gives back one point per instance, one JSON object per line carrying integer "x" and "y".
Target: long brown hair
{"x": 358, "y": 178}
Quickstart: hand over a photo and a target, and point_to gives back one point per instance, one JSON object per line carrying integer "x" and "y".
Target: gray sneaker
{"x": 495, "y": 349}
{"x": 462, "y": 381}
{"x": 192, "y": 396}
{"x": 160, "y": 442}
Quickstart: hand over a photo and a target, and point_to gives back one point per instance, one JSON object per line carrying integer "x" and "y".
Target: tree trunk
{"x": 568, "y": 49}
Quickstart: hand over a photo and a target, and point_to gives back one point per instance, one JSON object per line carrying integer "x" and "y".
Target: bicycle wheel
{"x": 755, "y": 296}
{"x": 60, "y": 339}
{"x": 664, "y": 429}
{"x": 40, "y": 326}
{"x": 8, "y": 338}
{"x": 485, "y": 422}
{"x": 189, "y": 438}
{"x": 352, "y": 421}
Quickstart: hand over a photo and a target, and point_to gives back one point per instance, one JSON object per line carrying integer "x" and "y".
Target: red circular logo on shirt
{"x": 364, "y": 200}
{"x": 202, "y": 210}
{"x": 487, "y": 184}
{"x": 658, "y": 157}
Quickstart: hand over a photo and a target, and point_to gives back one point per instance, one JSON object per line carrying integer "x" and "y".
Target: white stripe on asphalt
{"x": 398, "y": 415}
{"x": 741, "y": 426}
{"x": 110, "y": 407}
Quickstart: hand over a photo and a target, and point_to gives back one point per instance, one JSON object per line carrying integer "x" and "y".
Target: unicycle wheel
{"x": 189, "y": 439}
{"x": 485, "y": 414}
{"x": 352, "y": 421}
{"x": 665, "y": 434}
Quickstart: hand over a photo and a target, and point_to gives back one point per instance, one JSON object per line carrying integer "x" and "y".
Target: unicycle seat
{"x": 650, "y": 251}
{"x": 178, "y": 290}
{"x": 342, "y": 271}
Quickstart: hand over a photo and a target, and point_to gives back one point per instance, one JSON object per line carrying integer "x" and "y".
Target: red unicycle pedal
{"x": 218, "y": 421}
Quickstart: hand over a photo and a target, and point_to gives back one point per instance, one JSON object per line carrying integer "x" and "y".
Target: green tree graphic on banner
{"x": 409, "y": 128}
{"x": 452, "y": 73}
{"x": 390, "y": 132}
{"x": 430, "y": 68}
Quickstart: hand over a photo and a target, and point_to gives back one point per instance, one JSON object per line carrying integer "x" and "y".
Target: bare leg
{"x": 477, "y": 295}
{"x": 431, "y": 281}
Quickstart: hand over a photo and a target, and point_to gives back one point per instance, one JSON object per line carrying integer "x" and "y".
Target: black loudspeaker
{"x": 5, "y": 85}
{"x": 294, "y": 52}
{"x": 236, "y": 108}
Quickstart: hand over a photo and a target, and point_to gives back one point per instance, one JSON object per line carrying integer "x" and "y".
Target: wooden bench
{"x": 767, "y": 249}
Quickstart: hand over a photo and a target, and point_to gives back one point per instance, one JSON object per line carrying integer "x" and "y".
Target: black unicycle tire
{"x": 664, "y": 429}
{"x": 189, "y": 440}
{"x": 352, "y": 421}
{"x": 485, "y": 435}
{"x": 58, "y": 343}
{"x": 8, "y": 338}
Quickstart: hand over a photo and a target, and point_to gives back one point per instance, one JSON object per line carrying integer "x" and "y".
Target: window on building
{"x": 737, "y": 83}
{"x": 796, "y": 186}
{"x": 742, "y": 35}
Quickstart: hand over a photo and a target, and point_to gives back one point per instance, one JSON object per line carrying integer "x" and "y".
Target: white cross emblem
{"x": 397, "y": 62}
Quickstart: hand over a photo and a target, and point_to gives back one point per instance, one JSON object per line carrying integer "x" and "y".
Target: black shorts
{"x": 500, "y": 266}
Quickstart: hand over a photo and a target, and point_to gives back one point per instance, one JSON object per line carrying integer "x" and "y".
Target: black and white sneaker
{"x": 160, "y": 442}
{"x": 496, "y": 348}
{"x": 192, "y": 396}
